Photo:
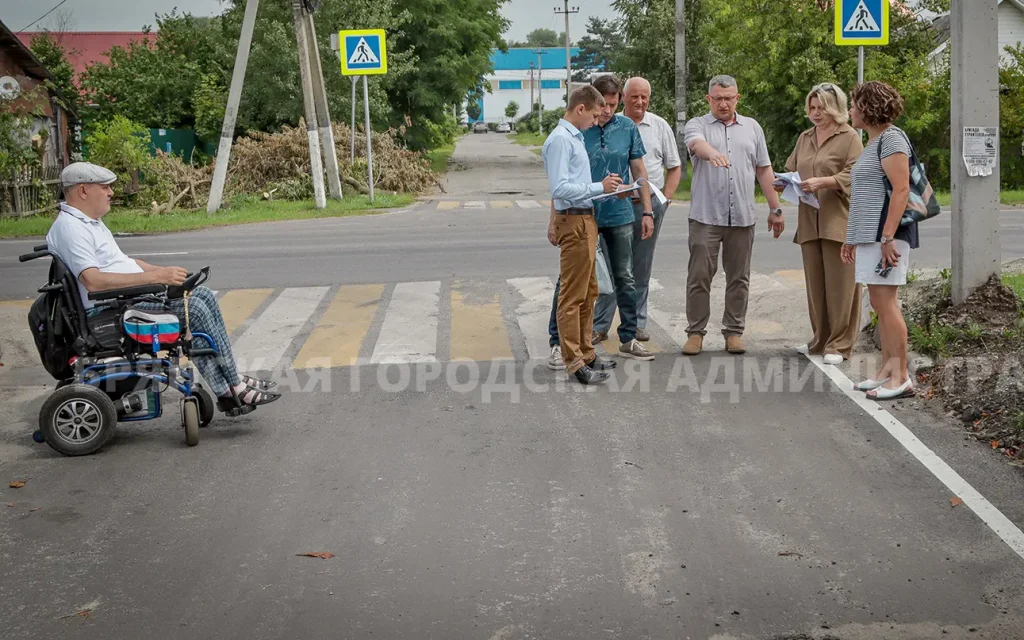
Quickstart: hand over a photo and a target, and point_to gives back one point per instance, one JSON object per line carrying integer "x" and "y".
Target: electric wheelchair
{"x": 113, "y": 363}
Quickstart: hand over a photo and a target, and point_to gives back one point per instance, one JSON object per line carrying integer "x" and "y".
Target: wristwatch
{"x": 886, "y": 240}
{"x": 777, "y": 212}
{"x": 648, "y": 214}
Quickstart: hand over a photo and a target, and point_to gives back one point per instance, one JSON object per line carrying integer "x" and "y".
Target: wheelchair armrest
{"x": 127, "y": 292}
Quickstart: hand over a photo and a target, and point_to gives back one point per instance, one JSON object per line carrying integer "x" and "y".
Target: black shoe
{"x": 586, "y": 375}
{"x": 601, "y": 364}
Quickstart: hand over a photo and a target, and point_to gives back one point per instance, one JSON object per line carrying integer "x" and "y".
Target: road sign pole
{"x": 369, "y": 144}
{"x": 860, "y": 65}
{"x": 315, "y": 161}
{"x": 975, "y": 95}
{"x": 355, "y": 82}
{"x": 227, "y": 132}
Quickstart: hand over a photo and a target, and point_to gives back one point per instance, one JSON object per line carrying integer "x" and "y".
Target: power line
{"x": 43, "y": 16}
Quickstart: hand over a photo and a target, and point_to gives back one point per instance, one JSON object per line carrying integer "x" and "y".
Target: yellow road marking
{"x": 501, "y": 204}
{"x": 448, "y": 204}
{"x": 236, "y": 306}
{"x": 16, "y": 304}
{"x": 478, "y": 329}
{"x": 338, "y": 337}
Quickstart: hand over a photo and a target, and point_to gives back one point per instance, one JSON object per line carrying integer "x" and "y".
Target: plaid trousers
{"x": 204, "y": 317}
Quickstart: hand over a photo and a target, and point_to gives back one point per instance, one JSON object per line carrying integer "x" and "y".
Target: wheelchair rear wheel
{"x": 190, "y": 416}
{"x": 78, "y": 419}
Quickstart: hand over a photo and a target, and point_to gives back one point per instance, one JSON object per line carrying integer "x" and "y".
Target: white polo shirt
{"x": 662, "y": 152}
{"x": 83, "y": 243}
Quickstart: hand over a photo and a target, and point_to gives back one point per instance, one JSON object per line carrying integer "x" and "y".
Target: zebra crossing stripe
{"x": 478, "y": 328}
{"x": 475, "y": 204}
{"x": 264, "y": 343}
{"x": 501, "y": 204}
{"x": 409, "y": 332}
{"x": 533, "y": 313}
{"x": 338, "y": 336}
{"x": 444, "y": 205}
{"x": 236, "y": 306}
{"x": 529, "y": 204}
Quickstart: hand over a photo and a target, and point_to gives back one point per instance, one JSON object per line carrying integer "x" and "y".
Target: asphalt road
{"x": 672, "y": 504}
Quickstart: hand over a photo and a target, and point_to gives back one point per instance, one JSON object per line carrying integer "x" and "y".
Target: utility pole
{"x": 568, "y": 53}
{"x": 681, "y": 78}
{"x": 532, "y": 102}
{"x": 540, "y": 90}
{"x": 227, "y": 132}
{"x": 975, "y": 95}
{"x": 316, "y": 164}
{"x": 323, "y": 114}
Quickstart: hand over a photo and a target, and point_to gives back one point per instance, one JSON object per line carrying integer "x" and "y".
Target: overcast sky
{"x": 131, "y": 15}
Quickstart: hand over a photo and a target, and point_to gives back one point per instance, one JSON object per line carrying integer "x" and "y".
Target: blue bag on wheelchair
{"x": 149, "y": 328}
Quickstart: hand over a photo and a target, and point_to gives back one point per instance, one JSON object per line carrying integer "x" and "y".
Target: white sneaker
{"x": 804, "y": 349}
{"x": 832, "y": 358}
{"x": 555, "y": 361}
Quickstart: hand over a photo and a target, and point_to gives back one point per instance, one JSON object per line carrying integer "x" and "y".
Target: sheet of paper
{"x": 656, "y": 193}
{"x": 615, "y": 194}
{"x": 793, "y": 193}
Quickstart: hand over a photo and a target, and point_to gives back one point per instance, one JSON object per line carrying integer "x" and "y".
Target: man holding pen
{"x": 574, "y": 230}
{"x": 615, "y": 148}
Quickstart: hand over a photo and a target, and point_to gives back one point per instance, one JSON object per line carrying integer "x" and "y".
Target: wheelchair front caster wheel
{"x": 190, "y": 416}
{"x": 78, "y": 419}
{"x": 206, "y": 404}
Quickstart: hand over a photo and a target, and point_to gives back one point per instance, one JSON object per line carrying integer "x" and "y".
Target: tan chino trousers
{"x": 576, "y": 236}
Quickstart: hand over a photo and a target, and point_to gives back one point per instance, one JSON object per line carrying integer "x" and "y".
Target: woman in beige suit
{"x": 823, "y": 156}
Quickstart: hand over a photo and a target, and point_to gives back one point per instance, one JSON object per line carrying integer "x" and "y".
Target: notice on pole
{"x": 981, "y": 144}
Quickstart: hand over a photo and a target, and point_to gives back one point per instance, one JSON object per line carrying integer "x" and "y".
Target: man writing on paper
{"x": 574, "y": 230}
{"x": 615, "y": 147}
{"x": 664, "y": 169}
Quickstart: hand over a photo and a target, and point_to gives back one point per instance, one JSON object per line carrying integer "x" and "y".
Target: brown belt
{"x": 574, "y": 211}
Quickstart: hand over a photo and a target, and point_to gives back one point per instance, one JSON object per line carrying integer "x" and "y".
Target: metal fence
{"x": 28, "y": 191}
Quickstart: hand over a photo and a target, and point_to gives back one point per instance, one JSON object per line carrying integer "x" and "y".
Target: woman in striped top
{"x": 875, "y": 241}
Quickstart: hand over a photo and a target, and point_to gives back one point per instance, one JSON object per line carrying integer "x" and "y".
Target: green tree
{"x": 48, "y": 49}
{"x": 123, "y": 147}
{"x": 511, "y": 109}
{"x": 545, "y": 38}
{"x": 451, "y": 41}
{"x": 1011, "y": 116}
{"x": 473, "y": 110}
{"x": 600, "y": 48}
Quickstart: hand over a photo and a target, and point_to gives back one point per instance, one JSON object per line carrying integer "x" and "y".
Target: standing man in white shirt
{"x": 664, "y": 170}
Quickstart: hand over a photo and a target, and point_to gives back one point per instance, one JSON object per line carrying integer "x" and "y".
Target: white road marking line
{"x": 528, "y": 204}
{"x": 475, "y": 204}
{"x": 263, "y": 344}
{"x": 534, "y": 313}
{"x": 409, "y": 332}
{"x": 989, "y": 514}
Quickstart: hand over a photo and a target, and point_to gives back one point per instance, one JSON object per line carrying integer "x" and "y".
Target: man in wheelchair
{"x": 89, "y": 250}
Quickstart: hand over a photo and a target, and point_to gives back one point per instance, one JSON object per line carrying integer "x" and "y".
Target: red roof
{"x": 88, "y": 47}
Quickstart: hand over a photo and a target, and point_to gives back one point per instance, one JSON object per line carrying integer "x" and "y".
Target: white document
{"x": 656, "y": 193}
{"x": 793, "y": 193}
{"x": 615, "y": 194}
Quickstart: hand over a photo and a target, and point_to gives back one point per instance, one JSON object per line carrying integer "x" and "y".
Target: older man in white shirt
{"x": 664, "y": 170}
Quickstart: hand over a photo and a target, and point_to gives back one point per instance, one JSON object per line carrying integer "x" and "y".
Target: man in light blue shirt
{"x": 573, "y": 229}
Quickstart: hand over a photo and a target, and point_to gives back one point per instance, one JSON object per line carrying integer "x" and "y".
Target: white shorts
{"x": 868, "y": 257}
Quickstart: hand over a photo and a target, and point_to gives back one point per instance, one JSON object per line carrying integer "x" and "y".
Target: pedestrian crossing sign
{"x": 862, "y": 22}
{"x": 363, "y": 52}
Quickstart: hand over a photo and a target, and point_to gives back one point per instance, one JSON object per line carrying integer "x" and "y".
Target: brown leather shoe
{"x": 642, "y": 335}
{"x": 694, "y": 345}
{"x": 598, "y": 337}
{"x": 734, "y": 344}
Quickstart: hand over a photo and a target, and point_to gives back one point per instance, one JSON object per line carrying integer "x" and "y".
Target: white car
{"x": 503, "y": 128}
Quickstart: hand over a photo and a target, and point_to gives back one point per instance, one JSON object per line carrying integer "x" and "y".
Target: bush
{"x": 528, "y": 123}
{"x": 123, "y": 147}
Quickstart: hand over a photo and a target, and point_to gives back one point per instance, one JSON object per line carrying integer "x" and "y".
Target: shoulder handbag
{"x": 921, "y": 204}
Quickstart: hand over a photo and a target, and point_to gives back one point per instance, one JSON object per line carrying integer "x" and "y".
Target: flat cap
{"x": 86, "y": 173}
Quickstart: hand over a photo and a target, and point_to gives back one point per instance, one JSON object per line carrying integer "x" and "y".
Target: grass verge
{"x": 439, "y": 158}
{"x": 1009, "y": 198}
{"x": 243, "y": 212}
{"x": 527, "y": 139}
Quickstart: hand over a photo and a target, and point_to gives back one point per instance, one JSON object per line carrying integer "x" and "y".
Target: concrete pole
{"x": 323, "y": 113}
{"x": 975, "y": 96}
{"x": 568, "y": 50}
{"x": 227, "y": 132}
{"x": 315, "y": 161}
{"x": 540, "y": 91}
{"x": 681, "y": 79}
